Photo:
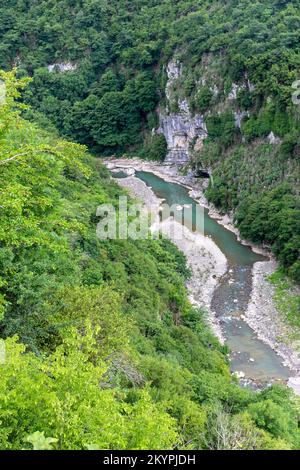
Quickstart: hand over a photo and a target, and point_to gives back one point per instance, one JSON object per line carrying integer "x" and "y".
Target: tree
{"x": 61, "y": 396}
{"x": 203, "y": 99}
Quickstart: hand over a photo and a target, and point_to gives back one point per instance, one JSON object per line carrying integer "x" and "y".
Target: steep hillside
{"x": 108, "y": 58}
{"x": 100, "y": 335}
{"x": 247, "y": 149}
{"x": 99, "y": 76}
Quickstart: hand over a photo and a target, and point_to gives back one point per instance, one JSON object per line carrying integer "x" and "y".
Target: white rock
{"x": 234, "y": 91}
{"x": 62, "y": 67}
{"x": 273, "y": 139}
{"x": 294, "y": 383}
{"x": 240, "y": 374}
{"x": 239, "y": 116}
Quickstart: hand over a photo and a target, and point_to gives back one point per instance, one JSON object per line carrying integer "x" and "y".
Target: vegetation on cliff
{"x": 115, "y": 54}
{"x": 101, "y": 348}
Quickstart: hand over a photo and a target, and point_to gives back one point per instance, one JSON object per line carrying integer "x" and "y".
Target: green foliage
{"x": 62, "y": 396}
{"x": 111, "y": 120}
{"x": 40, "y": 442}
{"x": 271, "y": 417}
{"x": 102, "y": 347}
{"x": 269, "y": 119}
{"x": 245, "y": 99}
{"x": 249, "y": 180}
{"x": 274, "y": 217}
{"x": 290, "y": 147}
{"x": 256, "y": 127}
{"x": 109, "y": 353}
{"x": 108, "y": 103}
{"x": 251, "y": 67}
{"x": 221, "y": 128}
{"x": 111, "y": 48}
{"x": 203, "y": 99}
{"x": 155, "y": 148}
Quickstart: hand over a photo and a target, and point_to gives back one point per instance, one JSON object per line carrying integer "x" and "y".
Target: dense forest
{"x": 114, "y": 55}
{"x": 100, "y": 335}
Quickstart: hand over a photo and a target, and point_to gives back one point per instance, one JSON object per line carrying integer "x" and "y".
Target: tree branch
{"x": 14, "y": 157}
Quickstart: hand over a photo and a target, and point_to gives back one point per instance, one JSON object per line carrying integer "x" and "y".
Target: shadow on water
{"x": 119, "y": 174}
{"x": 249, "y": 355}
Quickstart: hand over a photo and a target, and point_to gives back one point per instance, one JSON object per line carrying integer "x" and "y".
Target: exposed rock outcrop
{"x": 184, "y": 131}
{"x": 239, "y": 116}
{"x": 62, "y": 67}
{"x": 273, "y": 139}
{"x": 181, "y": 130}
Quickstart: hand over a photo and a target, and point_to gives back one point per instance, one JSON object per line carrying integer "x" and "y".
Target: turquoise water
{"x": 249, "y": 355}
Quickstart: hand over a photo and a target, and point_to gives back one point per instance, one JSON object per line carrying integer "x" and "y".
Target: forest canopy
{"x": 98, "y": 72}
{"x": 101, "y": 335}
{"x": 102, "y": 348}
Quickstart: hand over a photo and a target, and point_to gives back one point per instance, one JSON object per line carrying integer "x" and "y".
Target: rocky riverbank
{"x": 204, "y": 258}
{"x": 262, "y": 315}
{"x": 196, "y": 187}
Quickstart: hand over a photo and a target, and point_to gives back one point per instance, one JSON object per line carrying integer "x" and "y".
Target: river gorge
{"x": 223, "y": 278}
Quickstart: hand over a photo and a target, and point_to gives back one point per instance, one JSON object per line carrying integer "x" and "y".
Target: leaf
{"x": 92, "y": 447}
{"x": 40, "y": 442}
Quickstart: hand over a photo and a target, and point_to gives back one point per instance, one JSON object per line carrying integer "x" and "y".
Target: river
{"x": 249, "y": 355}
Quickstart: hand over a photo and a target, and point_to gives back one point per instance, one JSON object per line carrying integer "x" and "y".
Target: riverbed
{"x": 230, "y": 290}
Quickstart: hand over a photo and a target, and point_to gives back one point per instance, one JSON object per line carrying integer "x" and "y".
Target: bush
{"x": 255, "y": 127}
{"x": 222, "y": 129}
{"x": 245, "y": 99}
{"x": 290, "y": 147}
{"x": 203, "y": 99}
{"x": 155, "y": 149}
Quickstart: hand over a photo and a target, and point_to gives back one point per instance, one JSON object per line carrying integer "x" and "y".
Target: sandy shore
{"x": 262, "y": 315}
{"x": 204, "y": 258}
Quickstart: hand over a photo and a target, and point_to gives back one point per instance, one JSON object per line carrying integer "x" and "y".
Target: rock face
{"x": 62, "y": 67}
{"x": 181, "y": 130}
{"x": 239, "y": 116}
{"x": 184, "y": 131}
{"x": 273, "y": 139}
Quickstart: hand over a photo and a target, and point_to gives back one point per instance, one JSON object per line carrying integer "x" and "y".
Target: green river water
{"x": 249, "y": 355}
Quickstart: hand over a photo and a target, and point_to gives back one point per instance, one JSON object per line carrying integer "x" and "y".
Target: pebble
{"x": 240, "y": 374}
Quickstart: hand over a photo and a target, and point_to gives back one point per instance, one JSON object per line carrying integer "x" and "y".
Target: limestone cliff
{"x": 181, "y": 130}
{"x": 184, "y": 128}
